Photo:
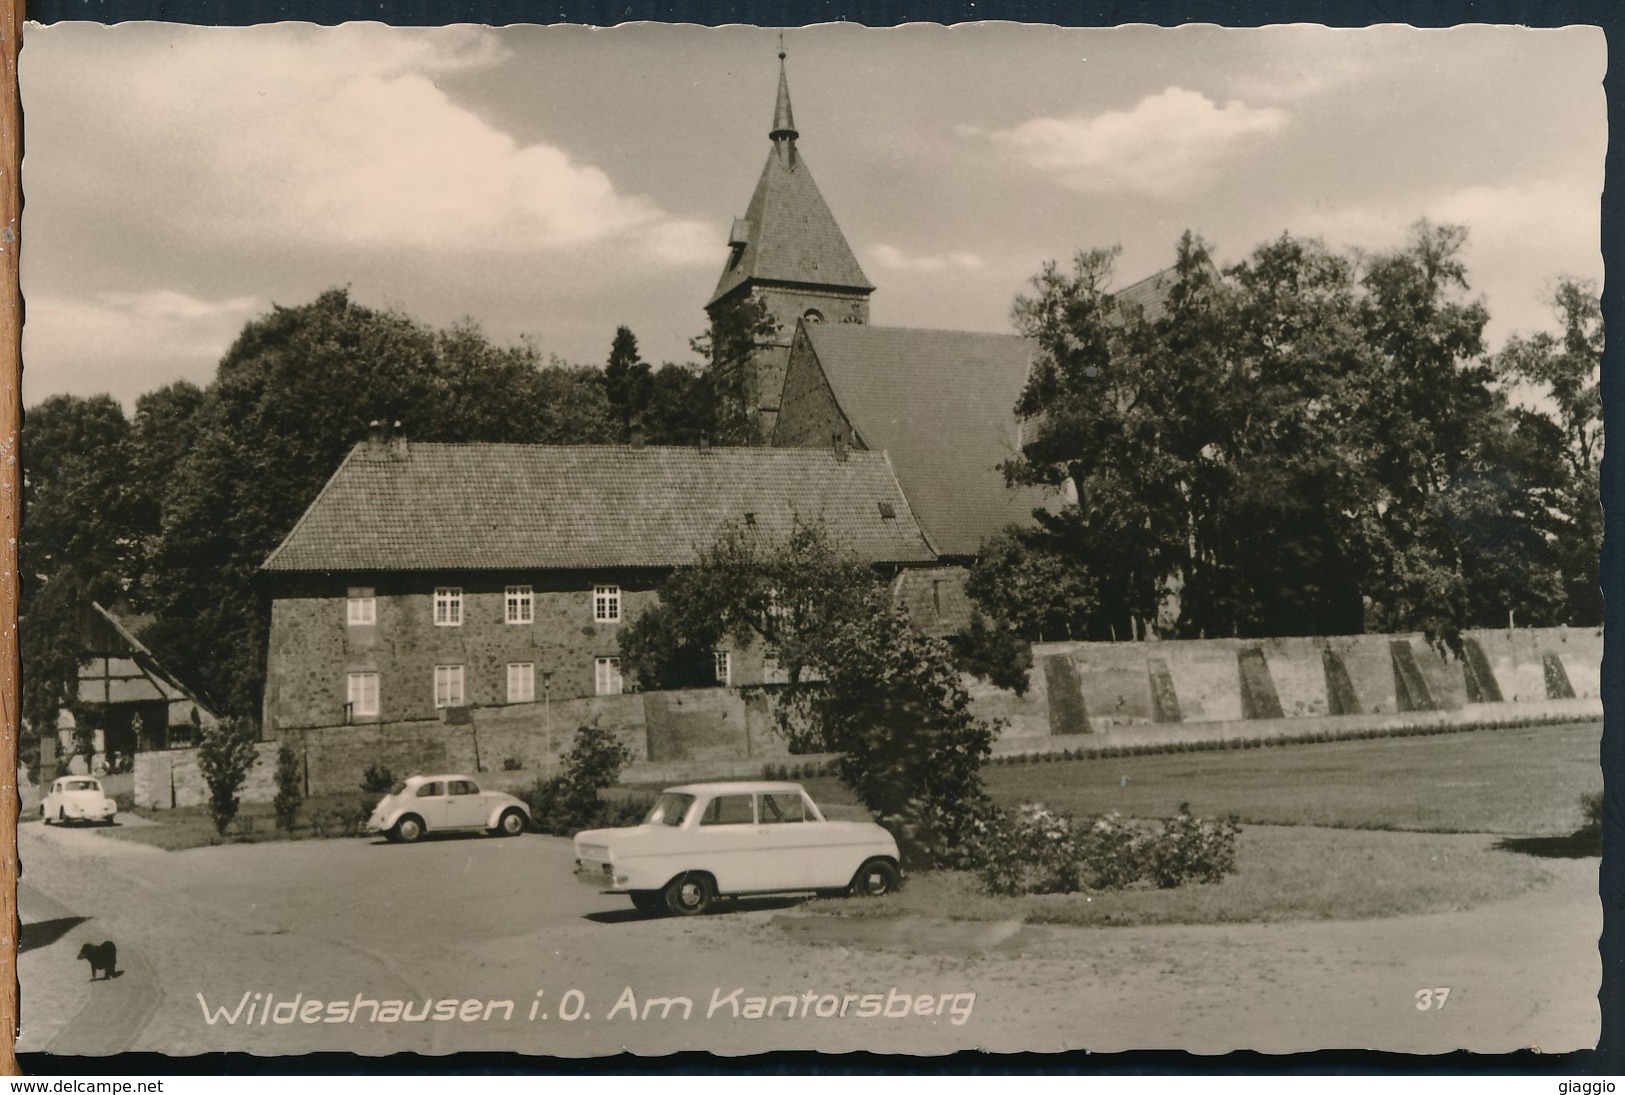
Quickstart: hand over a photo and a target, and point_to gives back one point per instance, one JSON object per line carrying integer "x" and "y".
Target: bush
{"x": 568, "y": 802}
{"x": 225, "y": 753}
{"x": 1040, "y": 851}
{"x": 377, "y": 780}
{"x": 1591, "y": 811}
{"x": 289, "y": 789}
{"x": 336, "y": 821}
{"x": 512, "y": 764}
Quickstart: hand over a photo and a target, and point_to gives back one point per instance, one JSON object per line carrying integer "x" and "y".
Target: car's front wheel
{"x": 407, "y": 829}
{"x": 688, "y": 894}
{"x": 512, "y": 823}
{"x": 876, "y": 878}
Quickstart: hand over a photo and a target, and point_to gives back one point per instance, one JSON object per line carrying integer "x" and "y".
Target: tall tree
{"x": 79, "y": 509}
{"x": 1565, "y": 373}
{"x": 1306, "y": 443}
{"x": 627, "y": 382}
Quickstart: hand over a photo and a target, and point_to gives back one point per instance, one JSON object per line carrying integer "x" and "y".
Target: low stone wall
{"x": 1080, "y": 695}
{"x": 169, "y": 778}
{"x": 517, "y": 742}
{"x": 1106, "y": 686}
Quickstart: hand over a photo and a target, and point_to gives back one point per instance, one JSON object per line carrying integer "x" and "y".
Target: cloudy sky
{"x": 551, "y": 183}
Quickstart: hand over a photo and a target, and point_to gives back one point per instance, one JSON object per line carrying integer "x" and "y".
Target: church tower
{"x": 788, "y": 251}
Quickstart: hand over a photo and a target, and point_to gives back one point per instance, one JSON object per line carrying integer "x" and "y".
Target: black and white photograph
{"x": 569, "y": 541}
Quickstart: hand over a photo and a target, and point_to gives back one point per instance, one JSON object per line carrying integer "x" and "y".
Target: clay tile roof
{"x": 790, "y": 234}
{"x": 941, "y": 404}
{"x": 1149, "y": 293}
{"x": 501, "y": 507}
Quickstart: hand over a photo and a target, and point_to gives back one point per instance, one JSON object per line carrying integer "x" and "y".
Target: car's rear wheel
{"x": 688, "y": 894}
{"x": 646, "y": 900}
{"x": 876, "y": 878}
{"x": 407, "y": 829}
{"x": 512, "y": 823}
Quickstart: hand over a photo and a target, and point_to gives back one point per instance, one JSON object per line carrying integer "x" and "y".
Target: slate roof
{"x": 941, "y": 404}
{"x": 526, "y": 507}
{"x": 790, "y": 234}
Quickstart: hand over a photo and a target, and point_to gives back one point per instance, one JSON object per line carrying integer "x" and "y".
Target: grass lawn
{"x": 1282, "y": 874}
{"x": 191, "y": 826}
{"x": 1525, "y": 782}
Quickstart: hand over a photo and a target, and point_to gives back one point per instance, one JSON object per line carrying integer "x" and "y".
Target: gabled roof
{"x": 138, "y": 676}
{"x": 941, "y": 404}
{"x": 788, "y": 233}
{"x": 531, "y": 507}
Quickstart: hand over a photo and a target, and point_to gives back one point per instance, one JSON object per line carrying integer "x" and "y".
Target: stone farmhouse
{"x": 428, "y": 578}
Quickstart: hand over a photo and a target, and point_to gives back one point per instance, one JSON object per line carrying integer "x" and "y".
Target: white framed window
{"x": 448, "y": 606}
{"x": 606, "y": 604}
{"x": 521, "y": 602}
{"x": 521, "y": 682}
{"x": 361, "y": 693}
{"x": 722, "y": 663}
{"x": 361, "y": 608}
{"x": 448, "y": 686}
{"x": 607, "y": 676}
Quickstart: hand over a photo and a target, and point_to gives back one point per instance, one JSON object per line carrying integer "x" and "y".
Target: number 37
{"x": 1431, "y": 999}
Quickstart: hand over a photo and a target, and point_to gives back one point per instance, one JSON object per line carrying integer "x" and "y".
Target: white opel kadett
{"x": 702, "y": 841}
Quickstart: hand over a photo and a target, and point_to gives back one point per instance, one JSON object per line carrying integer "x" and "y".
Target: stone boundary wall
{"x": 1140, "y": 685}
{"x": 170, "y": 777}
{"x": 514, "y": 744}
{"x": 1079, "y": 695}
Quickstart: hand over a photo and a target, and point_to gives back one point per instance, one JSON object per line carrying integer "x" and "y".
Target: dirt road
{"x": 320, "y": 930}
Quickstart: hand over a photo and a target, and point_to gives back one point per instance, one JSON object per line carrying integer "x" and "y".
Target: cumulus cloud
{"x": 343, "y": 136}
{"x": 893, "y": 258}
{"x": 1168, "y": 144}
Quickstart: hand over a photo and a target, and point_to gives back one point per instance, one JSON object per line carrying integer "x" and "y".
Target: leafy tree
{"x": 863, "y": 682}
{"x": 1306, "y": 443}
{"x": 739, "y": 328}
{"x": 79, "y": 507}
{"x": 681, "y": 407}
{"x": 994, "y": 653}
{"x": 225, "y": 753}
{"x": 1565, "y": 371}
{"x": 1027, "y": 578}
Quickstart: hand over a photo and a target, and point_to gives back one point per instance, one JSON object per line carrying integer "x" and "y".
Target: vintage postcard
{"x": 569, "y": 540}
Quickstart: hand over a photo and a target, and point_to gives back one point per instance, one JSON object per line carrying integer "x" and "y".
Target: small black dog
{"x": 101, "y": 956}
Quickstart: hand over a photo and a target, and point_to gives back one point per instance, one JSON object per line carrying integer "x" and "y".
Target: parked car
{"x": 77, "y": 798}
{"x": 702, "y": 841}
{"x": 450, "y": 803}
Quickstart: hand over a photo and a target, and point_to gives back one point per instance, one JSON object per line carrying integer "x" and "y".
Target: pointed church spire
{"x": 784, "y": 132}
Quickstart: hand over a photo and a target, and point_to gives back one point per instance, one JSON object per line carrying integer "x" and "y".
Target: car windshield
{"x": 82, "y": 785}
{"x": 669, "y": 809}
